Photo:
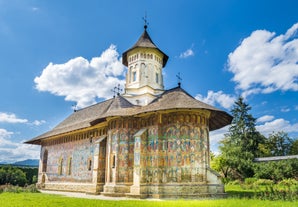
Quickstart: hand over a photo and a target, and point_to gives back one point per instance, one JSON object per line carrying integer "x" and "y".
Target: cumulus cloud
{"x": 187, "y": 53}
{"x": 277, "y": 125}
{"x": 11, "y": 118}
{"x": 224, "y": 100}
{"x": 15, "y": 151}
{"x": 81, "y": 80}
{"x": 265, "y": 118}
{"x": 215, "y": 137}
{"x": 38, "y": 122}
{"x": 265, "y": 62}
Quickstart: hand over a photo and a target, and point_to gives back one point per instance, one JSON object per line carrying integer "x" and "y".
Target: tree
{"x": 277, "y": 170}
{"x": 277, "y": 144}
{"x": 241, "y": 144}
{"x": 294, "y": 148}
{"x": 219, "y": 163}
{"x": 12, "y": 175}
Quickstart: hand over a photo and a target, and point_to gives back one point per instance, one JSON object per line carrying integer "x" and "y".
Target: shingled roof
{"x": 175, "y": 98}
{"x": 144, "y": 42}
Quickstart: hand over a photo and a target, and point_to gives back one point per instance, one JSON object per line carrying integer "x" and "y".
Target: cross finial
{"x": 116, "y": 90}
{"x": 74, "y": 107}
{"x": 179, "y": 79}
{"x": 145, "y": 21}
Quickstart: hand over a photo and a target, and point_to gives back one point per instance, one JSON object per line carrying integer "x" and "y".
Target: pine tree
{"x": 240, "y": 145}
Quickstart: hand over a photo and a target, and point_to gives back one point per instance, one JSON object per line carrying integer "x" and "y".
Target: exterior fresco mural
{"x": 80, "y": 153}
{"x": 172, "y": 149}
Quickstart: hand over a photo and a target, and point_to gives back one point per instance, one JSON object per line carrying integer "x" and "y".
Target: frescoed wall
{"x": 157, "y": 154}
{"x": 70, "y": 161}
{"x": 176, "y": 150}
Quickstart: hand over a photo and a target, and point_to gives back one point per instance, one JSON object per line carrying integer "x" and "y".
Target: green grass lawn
{"x": 40, "y": 199}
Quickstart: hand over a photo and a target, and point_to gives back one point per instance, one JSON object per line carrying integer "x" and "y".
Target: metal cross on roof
{"x": 145, "y": 21}
{"x": 74, "y": 107}
{"x": 179, "y": 79}
{"x": 117, "y": 90}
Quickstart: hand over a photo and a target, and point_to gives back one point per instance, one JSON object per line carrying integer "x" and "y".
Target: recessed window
{"x": 89, "y": 164}
{"x": 156, "y": 77}
{"x": 60, "y": 166}
{"x": 134, "y": 76}
{"x": 69, "y": 166}
{"x": 45, "y": 161}
{"x": 114, "y": 161}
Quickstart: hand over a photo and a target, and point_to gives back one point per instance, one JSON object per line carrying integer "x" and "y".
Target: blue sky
{"x": 54, "y": 54}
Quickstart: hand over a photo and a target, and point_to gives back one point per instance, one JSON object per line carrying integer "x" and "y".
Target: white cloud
{"x": 265, "y": 118}
{"x": 11, "y": 118}
{"x": 38, "y": 122}
{"x": 187, "y": 53}
{"x": 285, "y": 110}
{"x": 265, "y": 62}
{"x": 12, "y": 151}
{"x": 224, "y": 100}
{"x": 276, "y": 126}
{"x": 215, "y": 137}
{"x": 82, "y": 81}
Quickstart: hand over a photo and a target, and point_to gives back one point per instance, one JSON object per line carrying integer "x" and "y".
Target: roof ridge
{"x": 92, "y": 105}
{"x": 178, "y": 88}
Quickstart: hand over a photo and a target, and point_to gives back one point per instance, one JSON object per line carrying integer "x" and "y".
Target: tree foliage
{"x": 243, "y": 143}
{"x": 294, "y": 147}
{"x": 277, "y": 144}
{"x": 277, "y": 170}
{"x": 240, "y": 144}
{"x": 12, "y": 175}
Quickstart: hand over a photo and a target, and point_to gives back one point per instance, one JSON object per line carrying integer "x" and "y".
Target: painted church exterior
{"x": 145, "y": 143}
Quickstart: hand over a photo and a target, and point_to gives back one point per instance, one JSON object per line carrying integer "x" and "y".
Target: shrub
{"x": 264, "y": 182}
{"x": 288, "y": 182}
{"x": 275, "y": 193}
{"x": 18, "y": 189}
{"x": 234, "y": 182}
{"x": 250, "y": 181}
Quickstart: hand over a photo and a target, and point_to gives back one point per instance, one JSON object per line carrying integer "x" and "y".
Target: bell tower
{"x": 144, "y": 62}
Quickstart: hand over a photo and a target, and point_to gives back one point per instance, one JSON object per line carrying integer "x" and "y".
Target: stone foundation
{"x": 115, "y": 190}
{"x": 187, "y": 190}
{"x": 89, "y": 188}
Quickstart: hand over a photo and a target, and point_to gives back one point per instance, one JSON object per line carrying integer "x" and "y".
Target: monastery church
{"x": 145, "y": 143}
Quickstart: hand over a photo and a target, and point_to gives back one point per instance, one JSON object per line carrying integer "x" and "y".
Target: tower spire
{"x": 144, "y": 78}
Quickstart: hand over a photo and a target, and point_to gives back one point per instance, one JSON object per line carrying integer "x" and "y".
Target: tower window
{"x": 134, "y": 76}
{"x": 156, "y": 77}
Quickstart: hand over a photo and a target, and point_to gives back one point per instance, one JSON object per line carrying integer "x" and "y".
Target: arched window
{"x": 89, "y": 164}
{"x": 134, "y": 76}
{"x": 69, "y": 165}
{"x": 114, "y": 161}
{"x": 60, "y": 166}
{"x": 45, "y": 161}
